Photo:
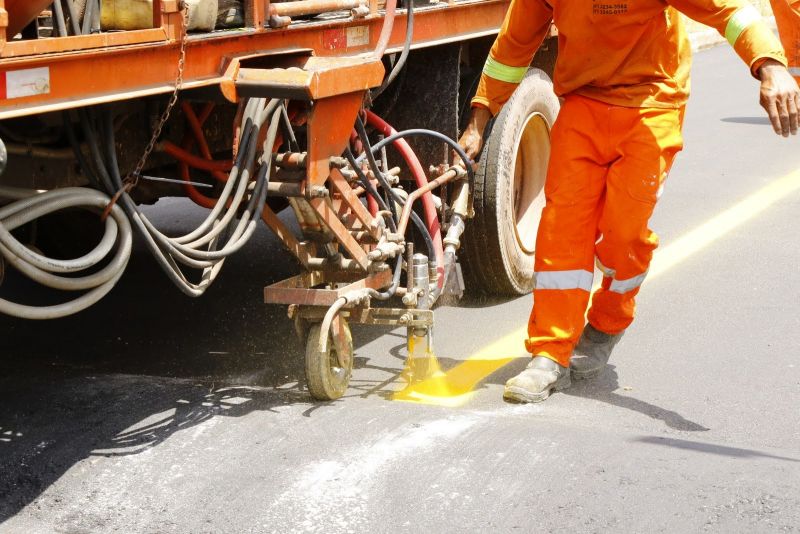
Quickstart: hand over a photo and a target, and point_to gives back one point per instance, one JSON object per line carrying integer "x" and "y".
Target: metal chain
{"x": 133, "y": 178}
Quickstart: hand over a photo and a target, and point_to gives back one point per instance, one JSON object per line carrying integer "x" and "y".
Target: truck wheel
{"x": 328, "y": 373}
{"x": 509, "y": 192}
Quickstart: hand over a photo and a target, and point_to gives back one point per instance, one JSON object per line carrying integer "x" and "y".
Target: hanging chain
{"x": 133, "y": 178}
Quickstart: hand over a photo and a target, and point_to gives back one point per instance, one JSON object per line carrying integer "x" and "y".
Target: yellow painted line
{"x": 456, "y": 386}
{"x": 725, "y": 222}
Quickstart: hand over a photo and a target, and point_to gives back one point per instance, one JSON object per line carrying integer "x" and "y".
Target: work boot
{"x": 592, "y": 353}
{"x": 535, "y": 383}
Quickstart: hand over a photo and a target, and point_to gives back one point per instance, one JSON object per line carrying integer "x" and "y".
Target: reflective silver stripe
{"x": 739, "y": 22}
{"x": 504, "y": 73}
{"x": 578, "y": 279}
{"x": 794, "y": 71}
{"x": 605, "y": 270}
{"x": 623, "y": 286}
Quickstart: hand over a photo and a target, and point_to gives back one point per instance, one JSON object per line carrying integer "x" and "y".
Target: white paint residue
{"x": 333, "y": 496}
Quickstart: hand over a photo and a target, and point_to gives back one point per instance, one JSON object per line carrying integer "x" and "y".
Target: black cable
{"x": 61, "y": 25}
{"x": 76, "y": 148}
{"x": 403, "y": 55}
{"x": 170, "y": 252}
{"x": 423, "y": 229}
{"x": 417, "y": 132}
{"x": 73, "y": 18}
{"x": 373, "y": 164}
{"x": 288, "y": 131}
{"x": 369, "y": 187}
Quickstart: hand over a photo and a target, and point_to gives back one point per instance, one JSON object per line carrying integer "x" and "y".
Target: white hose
{"x": 30, "y": 205}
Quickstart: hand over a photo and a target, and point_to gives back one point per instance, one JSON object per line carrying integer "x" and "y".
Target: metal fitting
{"x": 338, "y": 162}
{"x": 360, "y": 12}
{"x": 318, "y": 191}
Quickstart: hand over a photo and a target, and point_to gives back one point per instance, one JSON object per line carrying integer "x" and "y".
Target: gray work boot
{"x": 535, "y": 383}
{"x": 592, "y": 353}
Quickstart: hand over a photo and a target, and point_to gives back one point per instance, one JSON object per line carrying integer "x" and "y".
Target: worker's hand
{"x": 472, "y": 138}
{"x": 780, "y": 96}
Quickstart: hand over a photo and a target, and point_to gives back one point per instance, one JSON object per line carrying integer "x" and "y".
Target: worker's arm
{"x": 524, "y": 29}
{"x": 742, "y": 26}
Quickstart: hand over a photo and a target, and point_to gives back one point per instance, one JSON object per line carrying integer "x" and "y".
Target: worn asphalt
{"x": 155, "y": 413}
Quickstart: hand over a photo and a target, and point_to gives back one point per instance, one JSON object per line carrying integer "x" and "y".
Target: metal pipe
{"x": 312, "y": 7}
{"x": 417, "y": 193}
{"x": 284, "y": 189}
{"x": 40, "y": 152}
{"x": 345, "y": 264}
{"x": 290, "y": 160}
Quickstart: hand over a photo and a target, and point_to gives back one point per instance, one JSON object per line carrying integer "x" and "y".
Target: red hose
{"x": 195, "y": 161}
{"x": 431, "y": 217}
{"x": 188, "y": 142}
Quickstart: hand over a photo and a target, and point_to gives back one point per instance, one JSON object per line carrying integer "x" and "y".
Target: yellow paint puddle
{"x": 428, "y": 384}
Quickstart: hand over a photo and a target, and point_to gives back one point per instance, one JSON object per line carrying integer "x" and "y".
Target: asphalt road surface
{"x": 155, "y": 413}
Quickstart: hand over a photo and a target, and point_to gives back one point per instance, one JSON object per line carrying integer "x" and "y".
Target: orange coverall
{"x": 787, "y": 16}
{"x": 623, "y": 69}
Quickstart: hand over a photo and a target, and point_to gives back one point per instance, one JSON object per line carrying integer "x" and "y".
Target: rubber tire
{"x": 494, "y": 262}
{"x": 323, "y": 382}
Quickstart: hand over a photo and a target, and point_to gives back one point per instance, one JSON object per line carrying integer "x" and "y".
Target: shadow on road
{"x": 759, "y": 121}
{"x": 709, "y": 448}
{"x": 604, "y": 389}
{"x": 123, "y": 376}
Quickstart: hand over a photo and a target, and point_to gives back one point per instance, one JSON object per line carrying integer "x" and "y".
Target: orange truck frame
{"x": 320, "y": 62}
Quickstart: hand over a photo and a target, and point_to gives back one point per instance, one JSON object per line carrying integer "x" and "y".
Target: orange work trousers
{"x": 787, "y": 16}
{"x": 607, "y": 169}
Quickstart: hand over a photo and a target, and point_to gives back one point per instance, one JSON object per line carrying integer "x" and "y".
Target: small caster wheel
{"x": 328, "y": 373}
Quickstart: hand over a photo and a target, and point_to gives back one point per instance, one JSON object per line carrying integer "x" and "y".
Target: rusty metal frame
{"x": 301, "y": 290}
{"x": 410, "y": 317}
{"x": 89, "y": 70}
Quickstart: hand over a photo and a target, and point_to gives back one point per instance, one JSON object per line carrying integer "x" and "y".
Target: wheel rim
{"x": 530, "y": 170}
{"x": 338, "y": 373}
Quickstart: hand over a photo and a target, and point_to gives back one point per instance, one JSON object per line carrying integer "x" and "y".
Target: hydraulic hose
{"x": 385, "y": 204}
{"x": 429, "y": 208}
{"x": 386, "y": 31}
{"x": 421, "y": 132}
{"x": 403, "y": 55}
{"x": 231, "y": 222}
{"x": 31, "y": 205}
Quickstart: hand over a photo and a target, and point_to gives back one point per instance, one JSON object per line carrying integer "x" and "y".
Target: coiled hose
{"x": 228, "y": 226}
{"x": 31, "y": 205}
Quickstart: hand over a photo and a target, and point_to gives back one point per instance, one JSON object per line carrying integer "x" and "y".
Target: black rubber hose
{"x": 403, "y": 55}
{"x": 73, "y": 18}
{"x": 420, "y": 132}
{"x": 392, "y": 289}
{"x": 426, "y": 235}
{"x": 186, "y": 251}
{"x": 61, "y": 25}
{"x": 76, "y": 148}
{"x": 373, "y": 164}
{"x": 369, "y": 187}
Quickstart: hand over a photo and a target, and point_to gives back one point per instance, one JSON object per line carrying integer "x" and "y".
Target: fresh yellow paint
{"x": 427, "y": 383}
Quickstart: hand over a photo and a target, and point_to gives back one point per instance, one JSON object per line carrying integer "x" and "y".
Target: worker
{"x": 787, "y": 17}
{"x": 623, "y": 73}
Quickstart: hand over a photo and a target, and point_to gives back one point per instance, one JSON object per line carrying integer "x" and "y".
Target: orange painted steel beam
{"x": 328, "y": 216}
{"x": 351, "y": 200}
{"x": 328, "y": 132}
{"x": 127, "y": 71}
